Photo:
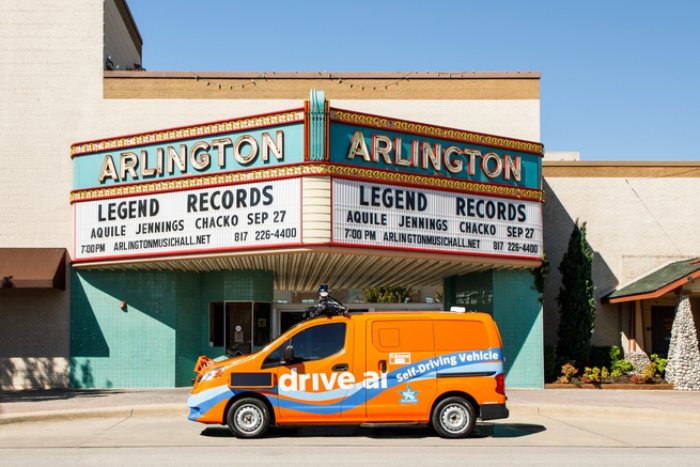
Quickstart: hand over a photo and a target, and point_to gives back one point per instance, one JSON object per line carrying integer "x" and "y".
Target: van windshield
{"x": 281, "y": 338}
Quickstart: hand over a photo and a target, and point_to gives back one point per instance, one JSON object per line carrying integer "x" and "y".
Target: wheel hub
{"x": 248, "y": 419}
{"x": 454, "y": 418}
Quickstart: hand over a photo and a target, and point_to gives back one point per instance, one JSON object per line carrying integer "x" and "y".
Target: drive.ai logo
{"x": 317, "y": 381}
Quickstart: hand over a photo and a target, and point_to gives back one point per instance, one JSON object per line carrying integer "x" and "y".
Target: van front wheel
{"x": 248, "y": 418}
{"x": 453, "y": 417}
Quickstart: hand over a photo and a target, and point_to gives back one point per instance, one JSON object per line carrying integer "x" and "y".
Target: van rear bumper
{"x": 494, "y": 411}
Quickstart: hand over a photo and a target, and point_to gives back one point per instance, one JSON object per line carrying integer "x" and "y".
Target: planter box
{"x": 609, "y": 386}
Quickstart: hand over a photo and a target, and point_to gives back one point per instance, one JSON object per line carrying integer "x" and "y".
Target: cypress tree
{"x": 576, "y": 300}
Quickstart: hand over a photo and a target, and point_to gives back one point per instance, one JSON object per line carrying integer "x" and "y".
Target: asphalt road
{"x": 172, "y": 441}
{"x": 351, "y": 457}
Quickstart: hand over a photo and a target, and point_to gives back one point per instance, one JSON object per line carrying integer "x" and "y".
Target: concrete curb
{"x": 603, "y": 412}
{"x": 180, "y": 410}
{"x": 161, "y": 410}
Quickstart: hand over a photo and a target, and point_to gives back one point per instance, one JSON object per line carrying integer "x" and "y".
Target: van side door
{"x": 401, "y": 352}
{"x": 313, "y": 382}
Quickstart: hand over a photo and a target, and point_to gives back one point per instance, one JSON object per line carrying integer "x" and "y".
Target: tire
{"x": 453, "y": 417}
{"x": 248, "y": 418}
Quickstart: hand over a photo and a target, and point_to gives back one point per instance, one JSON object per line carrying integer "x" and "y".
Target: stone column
{"x": 683, "y": 367}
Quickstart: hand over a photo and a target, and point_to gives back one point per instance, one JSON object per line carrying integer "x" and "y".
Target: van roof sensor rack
{"x": 327, "y": 305}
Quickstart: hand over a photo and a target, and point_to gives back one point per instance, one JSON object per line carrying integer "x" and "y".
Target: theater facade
{"x": 190, "y": 241}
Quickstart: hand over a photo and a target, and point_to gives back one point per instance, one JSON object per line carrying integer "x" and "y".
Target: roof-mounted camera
{"x": 327, "y": 305}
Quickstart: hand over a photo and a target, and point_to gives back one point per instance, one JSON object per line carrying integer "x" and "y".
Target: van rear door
{"x": 400, "y": 351}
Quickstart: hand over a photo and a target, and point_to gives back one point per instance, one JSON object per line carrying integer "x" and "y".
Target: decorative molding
{"x": 295, "y": 116}
{"x": 318, "y": 110}
{"x": 302, "y": 170}
{"x": 432, "y": 131}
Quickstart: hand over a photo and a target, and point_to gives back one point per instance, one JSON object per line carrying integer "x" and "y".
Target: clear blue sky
{"x": 620, "y": 78}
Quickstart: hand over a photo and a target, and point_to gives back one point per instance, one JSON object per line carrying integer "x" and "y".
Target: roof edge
{"x": 323, "y": 75}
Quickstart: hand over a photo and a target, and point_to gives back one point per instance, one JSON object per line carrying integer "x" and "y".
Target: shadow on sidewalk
{"x": 49, "y": 395}
{"x": 481, "y": 430}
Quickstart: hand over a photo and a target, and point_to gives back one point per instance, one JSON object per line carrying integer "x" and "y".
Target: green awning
{"x": 659, "y": 282}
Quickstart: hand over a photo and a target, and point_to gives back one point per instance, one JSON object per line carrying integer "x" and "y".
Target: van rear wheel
{"x": 248, "y": 418}
{"x": 453, "y": 417}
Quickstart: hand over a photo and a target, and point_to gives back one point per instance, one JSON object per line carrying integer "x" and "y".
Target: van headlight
{"x": 211, "y": 374}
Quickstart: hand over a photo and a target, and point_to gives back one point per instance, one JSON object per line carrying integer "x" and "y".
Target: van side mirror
{"x": 289, "y": 354}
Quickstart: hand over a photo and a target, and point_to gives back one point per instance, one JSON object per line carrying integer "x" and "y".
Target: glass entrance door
{"x": 238, "y": 319}
{"x": 240, "y": 327}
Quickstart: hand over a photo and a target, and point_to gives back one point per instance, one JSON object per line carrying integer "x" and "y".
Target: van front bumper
{"x": 494, "y": 412}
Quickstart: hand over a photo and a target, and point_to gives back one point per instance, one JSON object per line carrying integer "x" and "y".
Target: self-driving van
{"x": 441, "y": 368}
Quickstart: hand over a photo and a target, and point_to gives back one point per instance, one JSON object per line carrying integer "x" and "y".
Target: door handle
{"x": 340, "y": 367}
{"x": 382, "y": 366}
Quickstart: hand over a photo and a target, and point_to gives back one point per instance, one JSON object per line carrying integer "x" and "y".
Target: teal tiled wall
{"x": 156, "y": 339}
{"x": 518, "y": 313}
{"x": 510, "y": 298}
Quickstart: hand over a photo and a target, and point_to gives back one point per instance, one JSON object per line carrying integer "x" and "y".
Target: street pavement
{"x": 604, "y": 428}
{"x": 56, "y": 404}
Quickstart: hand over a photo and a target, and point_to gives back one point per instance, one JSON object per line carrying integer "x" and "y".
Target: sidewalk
{"x": 57, "y": 404}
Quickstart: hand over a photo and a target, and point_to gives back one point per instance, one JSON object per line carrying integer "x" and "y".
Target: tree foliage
{"x": 387, "y": 294}
{"x": 576, "y": 300}
{"x": 540, "y": 275}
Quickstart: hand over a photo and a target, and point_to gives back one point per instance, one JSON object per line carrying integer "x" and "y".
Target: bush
{"x": 568, "y": 371}
{"x": 601, "y": 356}
{"x": 647, "y": 376}
{"x": 619, "y": 367}
{"x": 388, "y": 294}
{"x": 650, "y": 371}
{"x": 595, "y": 375}
{"x": 660, "y": 364}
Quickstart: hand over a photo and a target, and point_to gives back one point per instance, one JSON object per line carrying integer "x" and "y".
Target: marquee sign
{"x": 236, "y": 185}
{"x": 231, "y": 217}
{"x": 248, "y": 143}
{"x": 375, "y": 215}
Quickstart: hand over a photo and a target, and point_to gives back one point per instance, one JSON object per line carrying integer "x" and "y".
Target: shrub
{"x": 638, "y": 379}
{"x": 568, "y": 371}
{"x": 619, "y": 367}
{"x": 650, "y": 371}
{"x": 595, "y": 375}
{"x": 660, "y": 363}
{"x": 576, "y": 300}
{"x": 647, "y": 376}
{"x": 387, "y": 294}
{"x": 601, "y": 356}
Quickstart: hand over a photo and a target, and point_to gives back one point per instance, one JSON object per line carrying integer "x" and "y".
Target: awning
{"x": 303, "y": 268}
{"x": 658, "y": 282}
{"x": 33, "y": 268}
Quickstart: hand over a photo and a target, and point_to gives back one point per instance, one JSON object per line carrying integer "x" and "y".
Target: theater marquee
{"x": 211, "y": 219}
{"x": 374, "y": 215}
{"x": 308, "y": 180}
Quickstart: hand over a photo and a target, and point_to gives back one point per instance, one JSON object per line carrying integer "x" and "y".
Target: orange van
{"x": 441, "y": 368}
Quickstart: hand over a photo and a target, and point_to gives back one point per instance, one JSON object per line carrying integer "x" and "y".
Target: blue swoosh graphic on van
{"x": 478, "y": 361}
